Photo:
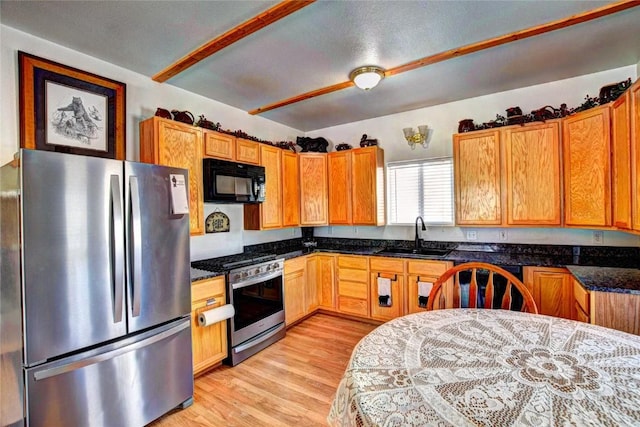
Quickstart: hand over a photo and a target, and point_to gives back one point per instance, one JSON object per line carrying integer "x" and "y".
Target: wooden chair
{"x": 438, "y": 296}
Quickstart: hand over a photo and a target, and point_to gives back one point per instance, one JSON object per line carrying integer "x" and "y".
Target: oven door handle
{"x": 253, "y": 281}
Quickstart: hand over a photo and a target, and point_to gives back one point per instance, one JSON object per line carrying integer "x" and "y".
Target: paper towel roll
{"x": 215, "y": 315}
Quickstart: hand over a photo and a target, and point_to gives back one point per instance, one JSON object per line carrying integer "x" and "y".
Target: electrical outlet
{"x": 503, "y": 236}
{"x": 472, "y": 235}
{"x": 598, "y": 237}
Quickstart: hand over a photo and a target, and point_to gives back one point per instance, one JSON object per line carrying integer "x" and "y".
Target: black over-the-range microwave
{"x": 231, "y": 182}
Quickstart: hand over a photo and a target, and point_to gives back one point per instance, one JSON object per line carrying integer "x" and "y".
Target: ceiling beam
{"x": 589, "y": 15}
{"x": 235, "y": 34}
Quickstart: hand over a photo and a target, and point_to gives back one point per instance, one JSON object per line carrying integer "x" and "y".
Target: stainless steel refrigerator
{"x": 95, "y": 293}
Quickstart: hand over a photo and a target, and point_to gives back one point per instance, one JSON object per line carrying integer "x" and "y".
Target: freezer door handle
{"x": 135, "y": 237}
{"x": 117, "y": 240}
{"x": 58, "y": 370}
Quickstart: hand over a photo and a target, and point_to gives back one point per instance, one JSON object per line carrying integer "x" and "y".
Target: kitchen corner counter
{"x": 197, "y": 274}
{"x": 607, "y": 279}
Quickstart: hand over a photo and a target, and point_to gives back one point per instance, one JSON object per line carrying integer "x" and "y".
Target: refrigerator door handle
{"x": 117, "y": 240}
{"x": 135, "y": 237}
{"x": 58, "y": 370}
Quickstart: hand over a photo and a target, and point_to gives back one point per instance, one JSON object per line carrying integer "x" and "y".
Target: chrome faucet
{"x": 424, "y": 228}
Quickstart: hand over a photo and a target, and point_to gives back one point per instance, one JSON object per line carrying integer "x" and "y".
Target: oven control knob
{"x": 274, "y": 266}
{"x": 236, "y": 277}
{"x": 257, "y": 271}
{"x": 245, "y": 274}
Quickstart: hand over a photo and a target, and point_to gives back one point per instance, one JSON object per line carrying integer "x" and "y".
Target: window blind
{"x": 421, "y": 188}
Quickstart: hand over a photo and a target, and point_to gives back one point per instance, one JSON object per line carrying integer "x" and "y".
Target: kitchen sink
{"x": 415, "y": 252}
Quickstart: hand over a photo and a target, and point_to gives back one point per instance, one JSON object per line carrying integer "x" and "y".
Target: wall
{"x": 443, "y": 122}
{"x": 143, "y": 97}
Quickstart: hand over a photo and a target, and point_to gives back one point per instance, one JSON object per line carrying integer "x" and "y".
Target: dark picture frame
{"x": 68, "y": 110}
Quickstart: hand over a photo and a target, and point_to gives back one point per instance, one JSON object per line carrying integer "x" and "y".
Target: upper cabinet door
{"x": 340, "y": 187}
{"x": 271, "y": 208}
{"x": 476, "y": 158}
{"x": 532, "y": 166}
{"x": 247, "y": 151}
{"x": 170, "y": 143}
{"x": 621, "y": 162}
{"x": 367, "y": 186}
{"x": 313, "y": 189}
{"x": 219, "y": 145}
{"x": 290, "y": 190}
{"x": 586, "y": 149}
{"x": 634, "y": 95}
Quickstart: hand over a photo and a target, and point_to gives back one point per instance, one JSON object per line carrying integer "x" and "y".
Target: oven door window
{"x": 256, "y": 302}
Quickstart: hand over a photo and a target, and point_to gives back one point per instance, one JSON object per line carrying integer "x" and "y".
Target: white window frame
{"x": 422, "y": 163}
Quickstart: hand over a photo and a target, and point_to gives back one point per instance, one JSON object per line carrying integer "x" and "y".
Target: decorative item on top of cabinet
{"x": 421, "y": 273}
{"x": 317, "y": 145}
{"x": 476, "y": 159}
{"x": 365, "y": 141}
{"x": 586, "y": 144}
{"x": 209, "y": 342}
{"x": 634, "y": 94}
{"x": 170, "y": 143}
{"x": 207, "y": 124}
{"x": 313, "y": 189}
{"x": 621, "y": 162}
{"x": 387, "y": 288}
{"x": 183, "y": 116}
{"x": 267, "y": 214}
{"x": 342, "y": 147}
{"x": 290, "y": 189}
{"x": 552, "y": 290}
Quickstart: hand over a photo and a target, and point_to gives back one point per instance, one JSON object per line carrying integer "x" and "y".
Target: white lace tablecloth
{"x": 490, "y": 368}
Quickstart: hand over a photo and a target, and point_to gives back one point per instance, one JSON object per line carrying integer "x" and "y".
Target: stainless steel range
{"x": 255, "y": 288}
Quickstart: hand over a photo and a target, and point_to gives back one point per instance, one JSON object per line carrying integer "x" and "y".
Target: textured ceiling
{"x": 320, "y": 44}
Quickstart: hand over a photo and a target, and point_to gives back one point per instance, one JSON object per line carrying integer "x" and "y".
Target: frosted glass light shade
{"x": 367, "y": 77}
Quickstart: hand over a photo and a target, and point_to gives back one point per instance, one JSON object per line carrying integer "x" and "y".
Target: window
{"x": 421, "y": 188}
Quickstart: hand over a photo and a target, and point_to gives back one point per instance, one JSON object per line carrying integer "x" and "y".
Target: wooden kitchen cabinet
{"x": 326, "y": 281}
{"x": 209, "y": 342}
{"x": 393, "y": 269}
{"x": 170, "y": 143}
{"x": 581, "y": 304}
{"x": 312, "y": 288}
{"x": 425, "y": 271}
{"x": 313, "y": 189}
{"x": 294, "y": 289}
{"x": 532, "y": 174}
{"x": 616, "y": 310}
{"x": 353, "y": 285}
{"x": 290, "y": 189}
{"x": 268, "y": 214}
{"x": 477, "y": 172}
{"x": 552, "y": 290}
{"x": 339, "y": 171}
{"x": 367, "y": 186}
{"x": 586, "y": 150}
{"x": 247, "y": 151}
{"x": 219, "y": 145}
{"x": 621, "y": 161}
{"x": 634, "y": 97}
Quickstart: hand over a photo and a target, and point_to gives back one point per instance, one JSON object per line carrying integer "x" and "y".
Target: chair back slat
{"x": 506, "y": 299}
{"x": 488, "y": 296}
{"x": 528, "y": 303}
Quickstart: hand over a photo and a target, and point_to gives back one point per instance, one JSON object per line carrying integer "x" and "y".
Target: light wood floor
{"x": 290, "y": 383}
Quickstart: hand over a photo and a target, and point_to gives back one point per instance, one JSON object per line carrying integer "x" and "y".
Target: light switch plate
{"x": 472, "y": 235}
{"x": 598, "y": 237}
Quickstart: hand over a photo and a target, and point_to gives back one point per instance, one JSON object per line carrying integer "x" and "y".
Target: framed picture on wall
{"x": 67, "y": 110}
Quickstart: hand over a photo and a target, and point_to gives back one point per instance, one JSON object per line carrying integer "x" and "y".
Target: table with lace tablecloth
{"x": 465, "y": 367}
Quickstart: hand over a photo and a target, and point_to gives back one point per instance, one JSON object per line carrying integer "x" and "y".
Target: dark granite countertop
{"x": 607, "y": 269}
{"x": 607, "y": 279}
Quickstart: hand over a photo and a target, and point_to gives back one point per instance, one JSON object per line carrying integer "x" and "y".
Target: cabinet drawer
{"x": 581, "y": 316}
{"x": 208, "y": 288}
{"x": 352, "y": 289}
{"x": 352, "y": 262}
{"x": 295, "y": 264}
{"x": 581, "y": 296}
{"x": 394, "y": 265}
{"x": 428, "y": 268}
{"x": 356, "y": 306}
{"x": 353, "y": 275}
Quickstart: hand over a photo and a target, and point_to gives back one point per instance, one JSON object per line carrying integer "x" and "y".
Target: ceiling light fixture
{"x": 367, "y": 77}
{"x": 414, "y": 138}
